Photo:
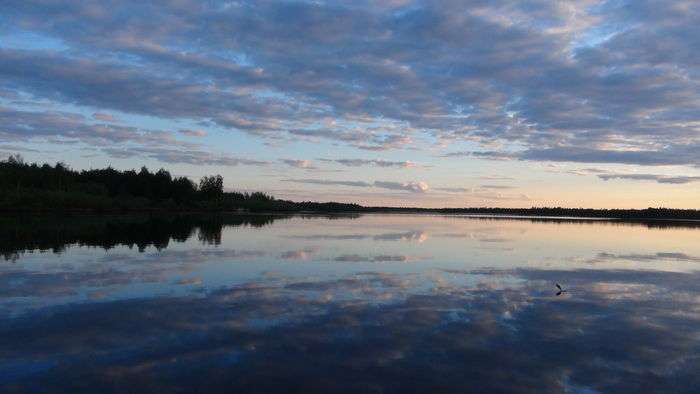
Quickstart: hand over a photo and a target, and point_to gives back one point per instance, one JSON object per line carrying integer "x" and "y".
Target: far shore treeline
{"x": 32, "y": 187}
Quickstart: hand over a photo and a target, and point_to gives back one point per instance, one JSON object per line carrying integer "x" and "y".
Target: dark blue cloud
{"x": 610, "y": 82}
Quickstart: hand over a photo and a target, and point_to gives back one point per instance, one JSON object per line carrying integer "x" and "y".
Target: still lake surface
{"x": 347, "y": 303}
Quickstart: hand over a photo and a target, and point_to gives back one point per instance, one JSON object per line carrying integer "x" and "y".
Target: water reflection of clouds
{"x": 495, "y": 240}
{"x": 281, "y": 310}
{"x": 486, "y": 330}
{"x": 410, "y": 236}
{"x": 188, "y": 256}
{"x": 418, "y": 236}
{"x": 485, "y": 233}
{"x": 113, "y": 271}
{"x": 356, "y": 258}
{"x": 300, "y": 254}
{"x": 117, "y": 273}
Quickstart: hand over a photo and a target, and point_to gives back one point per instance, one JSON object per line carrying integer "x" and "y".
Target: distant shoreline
{"x": 600, "y": 215}
{"x": 37, "y": 189}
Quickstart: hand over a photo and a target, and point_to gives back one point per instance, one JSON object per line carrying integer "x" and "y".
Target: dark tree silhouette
{"x": 31, "y": 187}
{"x": 212, "y": 186}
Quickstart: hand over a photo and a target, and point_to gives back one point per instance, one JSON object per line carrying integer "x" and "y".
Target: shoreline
{"x": 467, "y": 212}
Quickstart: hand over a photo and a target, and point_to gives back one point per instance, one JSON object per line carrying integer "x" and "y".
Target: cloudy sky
{"x": 421, "y": 103}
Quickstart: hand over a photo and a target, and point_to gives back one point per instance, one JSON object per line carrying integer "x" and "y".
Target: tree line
{"x": 32, "y": 186}
{"x": 559, "y": 213}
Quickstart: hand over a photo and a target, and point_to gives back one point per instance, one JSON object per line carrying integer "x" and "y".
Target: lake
{"x": 347, "y": 303}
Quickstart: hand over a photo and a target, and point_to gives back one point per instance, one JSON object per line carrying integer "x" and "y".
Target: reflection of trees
{"x": 210, "y": 232}
{"x": 55, "y": 233}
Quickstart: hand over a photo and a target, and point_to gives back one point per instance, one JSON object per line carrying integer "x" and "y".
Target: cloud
{"x": 329, "y": 182}
{"x": 489, "y": 155}
{"x": 542, "y": 81}
{"x": 103, "y": 116}
{"x": 669, "y": 155}
{"x": 22, "y": 125}
{"x": 193, "y": 132}
{"x": 304, "y": 164}
{"x": 608, "y": 175}
{"x": 386, "y": 142}
{"x": 17, "y": 148}
{"x": 115, "y": 141}
{"x": 371, "y": 162}
{"x": 455, "y": 189}
{"x": 486, "y": 192}
{"x": 666, "y": 179}
{"x": 359, "y": 138}
{"x": 639, "y": 257}
{"x": 588, "y": 171}
{"x": 497, "y": 187}
{"x": 503, "y": 197}
{"x": 194, "y": 157}
{"x": 190, "y": 281}
{"x": 414, "y": 187}
{"x": 496, "y": 178}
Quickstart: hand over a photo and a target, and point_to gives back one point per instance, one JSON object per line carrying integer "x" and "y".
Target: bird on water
{"x": 560, "y": 289}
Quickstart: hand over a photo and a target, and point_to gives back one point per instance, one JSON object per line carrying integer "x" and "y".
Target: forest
{"x": 33, "y": 187}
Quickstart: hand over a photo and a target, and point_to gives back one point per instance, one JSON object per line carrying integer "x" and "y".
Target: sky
{"x": 512, "y": 103}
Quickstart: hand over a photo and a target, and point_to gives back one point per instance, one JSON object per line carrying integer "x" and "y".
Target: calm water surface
{"x": 372, "y": 303}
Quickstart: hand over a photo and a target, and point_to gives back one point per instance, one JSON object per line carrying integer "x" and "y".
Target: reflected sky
{"x": 372, "y": 303}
